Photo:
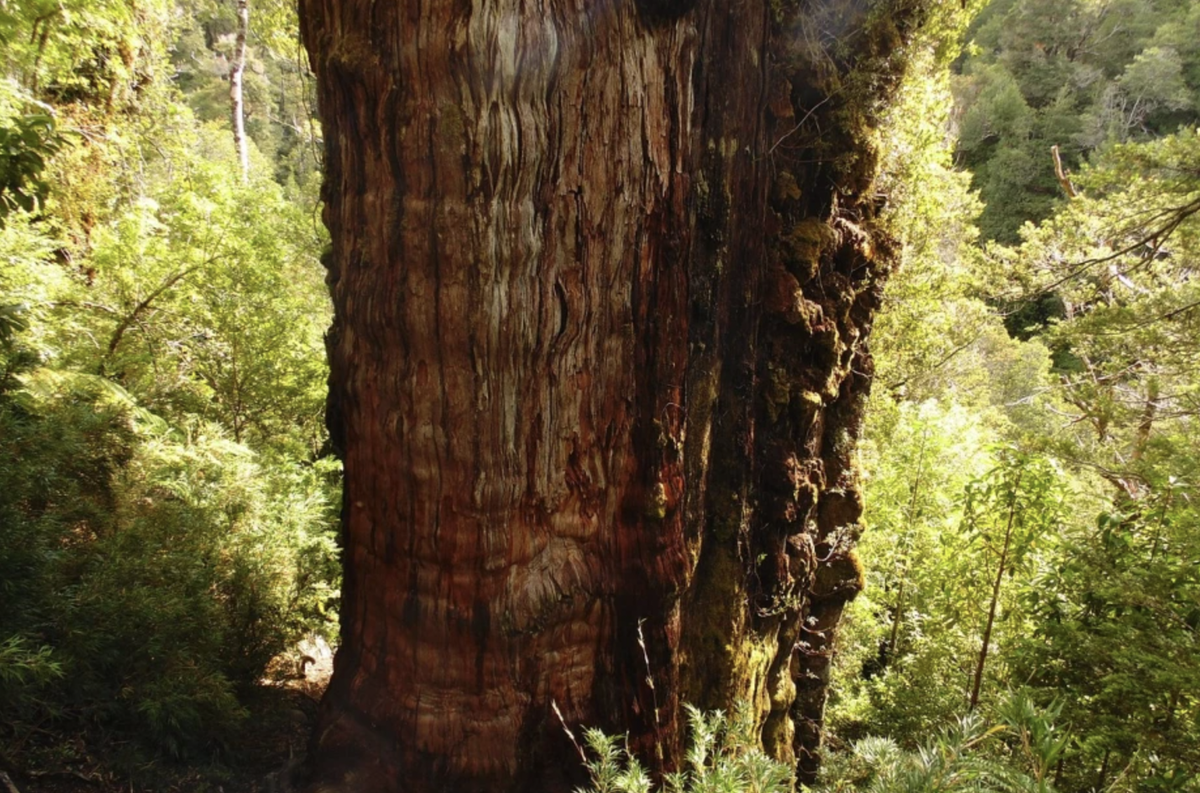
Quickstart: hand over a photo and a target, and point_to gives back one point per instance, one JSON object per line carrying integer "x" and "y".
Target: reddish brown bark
{"x": 603, "y": 274}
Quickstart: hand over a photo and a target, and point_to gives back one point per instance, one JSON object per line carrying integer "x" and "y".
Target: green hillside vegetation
{"x": 1084, "y": 76}
{"x": 167, "y": 501}
{"x": 1032, "y": 450}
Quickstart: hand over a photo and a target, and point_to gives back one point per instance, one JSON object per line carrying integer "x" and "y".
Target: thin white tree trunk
{"x": 236, "y": 71}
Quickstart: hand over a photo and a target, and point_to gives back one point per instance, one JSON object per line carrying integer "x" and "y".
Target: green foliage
{"x": 723, "y": 756}
{"x": 1099, "y": 372}
{"x": 161, "y": 572}
{"x": 1116, "y": 638}
{"x": 939, "y": 569}
{"x": 1073, "y": 73}
{"x": 166, "y": 514}
{"x": 103, "y": 53}
{"x": 24, "y": 148}
{"x": 1016, "y": 755}
{"x": 278, "y": 92}
{"x": 956, "y": 386}
{"x": 1120, "y": 260}
{"x": 24, "y": 671}
{"x": 1020, "y": 497}
{"x": 901, "y": 639}
{"x": 171, "y": 274}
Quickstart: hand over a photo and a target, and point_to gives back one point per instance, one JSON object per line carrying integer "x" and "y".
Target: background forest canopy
{"x": 169, "y": 500}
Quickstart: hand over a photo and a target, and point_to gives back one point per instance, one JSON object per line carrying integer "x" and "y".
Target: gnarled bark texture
{"x": 603, "y": 273}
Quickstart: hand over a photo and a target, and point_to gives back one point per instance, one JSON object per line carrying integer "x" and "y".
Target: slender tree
{"x": 1007, "y": 512}
{"x": 603, "y": 275}
{"x": 994, "y": 602}
{"x": 912, "y": 515}
{"x": 236, "y": 70}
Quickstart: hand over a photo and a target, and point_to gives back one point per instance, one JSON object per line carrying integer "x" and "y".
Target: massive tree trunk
{"x": 603, "y": 274}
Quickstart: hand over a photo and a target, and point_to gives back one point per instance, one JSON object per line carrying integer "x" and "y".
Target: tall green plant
{"x": 1005, "y": 514}
{"x": 165, "y": 512}
{"x": 1116, "y": 637}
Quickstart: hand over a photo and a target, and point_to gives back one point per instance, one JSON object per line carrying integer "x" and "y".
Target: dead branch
{"x": 1064, "y": 178}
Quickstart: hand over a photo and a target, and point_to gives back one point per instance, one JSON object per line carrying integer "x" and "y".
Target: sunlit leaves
{"x": 165, "y": 514}
{"x": 25, "y": 146}
{"x": 1074, "y": 73}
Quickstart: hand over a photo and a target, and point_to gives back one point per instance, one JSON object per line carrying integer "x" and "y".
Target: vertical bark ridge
{"x": 602, "y": 275}
{"x": 504, "y": 183}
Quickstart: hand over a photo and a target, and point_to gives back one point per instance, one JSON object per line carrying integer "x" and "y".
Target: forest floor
{"x": 282, "y": 714}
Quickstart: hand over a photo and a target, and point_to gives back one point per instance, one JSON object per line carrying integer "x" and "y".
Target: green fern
{"x": 1015, "y": 755}
{"x": 723, "y": 756}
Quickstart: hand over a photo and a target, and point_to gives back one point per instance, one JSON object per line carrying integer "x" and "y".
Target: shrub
{"x": 149, "y": 575}
{"x": 723, "y": 757}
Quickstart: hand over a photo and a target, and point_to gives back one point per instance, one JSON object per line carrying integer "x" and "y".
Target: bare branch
{"x": 1063, "y": 178}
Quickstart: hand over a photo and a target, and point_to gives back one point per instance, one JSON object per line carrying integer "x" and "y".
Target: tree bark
{"x": 237, "y": 106}
{"x": 603, "y": 274}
